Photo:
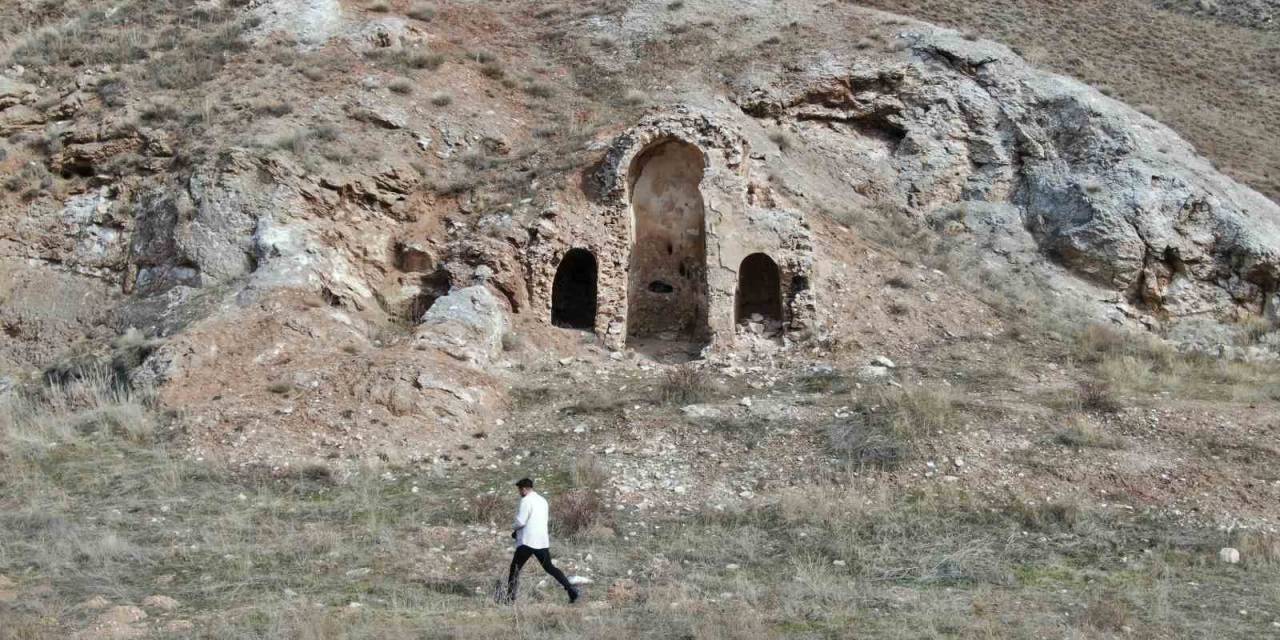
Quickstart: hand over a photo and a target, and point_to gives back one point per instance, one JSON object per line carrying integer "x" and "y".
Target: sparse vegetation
{"x": 587, "y": 472}
{"x": 748, "y": 521}
{"x": 493, "y": 71}
{"x": 539, "y": 90}
{"x": 1140, "y": 363}
{"x": 577, "y": 511}
{"x": 273, "y": 108}
{"x": 898, "y": 281}
{"x": 402, "y": 86}
{"x": 885, "y": 427}
{"x": 950, "y": 557}
{"x": 489, "y": 508}
{"x": 683, "y": 385}
{"x": 421, "y": 12}
{"x": 424, "y": 60}
{"x": 1081, "y": 433}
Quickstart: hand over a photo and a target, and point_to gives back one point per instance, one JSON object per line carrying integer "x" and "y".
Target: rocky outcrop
{"x": 468, "y": 324}
{"x": 1107, "y": 192}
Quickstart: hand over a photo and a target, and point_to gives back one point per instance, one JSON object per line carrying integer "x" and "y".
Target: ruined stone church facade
{"x": 679, "y": 242}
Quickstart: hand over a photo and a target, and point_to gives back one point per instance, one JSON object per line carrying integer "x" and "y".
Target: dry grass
{"x": 586, "y": 471}
{"x": 1046, "y": 515}
{"x": 1259, "y": 550}
{"x": 101, "y": 514}
{"x": 1254, "y": 328}
{"x": 885, "y": 428}
{"x": 1142, "y": 364}
{"x": 92, "y": 405}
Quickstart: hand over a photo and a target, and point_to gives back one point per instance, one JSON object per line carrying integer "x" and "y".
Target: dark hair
{"x": 525, "y": 483}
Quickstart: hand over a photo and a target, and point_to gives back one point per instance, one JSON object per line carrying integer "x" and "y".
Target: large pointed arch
{"x": 667, "y": 288}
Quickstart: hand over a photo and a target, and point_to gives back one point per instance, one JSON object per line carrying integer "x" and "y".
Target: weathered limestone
{"x": 1113, "y": 196}
{"x": 468, "y": 324}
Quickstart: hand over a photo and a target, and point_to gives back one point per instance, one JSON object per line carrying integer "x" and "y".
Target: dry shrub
{"x": 487, "y": 508}
{"x": 112, "y": 365}
{"x": 402, "y": 86}
{"x": 829, "y": 382}
{"x": 1097, "y": 340}
{"x": 424, "y": 60}
{"x": 576, "y": 511}
{"x": 1096, "y": 395}
{"x": 684, "y": 385}
{"x": 421, "y": 12}
{"x": 899, "y": 281}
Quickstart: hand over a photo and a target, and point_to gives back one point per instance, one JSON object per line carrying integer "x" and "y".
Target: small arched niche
{"x": 667, "y": 282}
{"x": 573, "y": 294}
{"x": 759, "y": 289}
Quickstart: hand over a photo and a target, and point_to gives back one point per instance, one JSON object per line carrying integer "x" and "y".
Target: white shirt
{"x": 531, "y": 522}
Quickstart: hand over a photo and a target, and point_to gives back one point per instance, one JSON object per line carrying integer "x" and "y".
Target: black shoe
{"x": 573, "y": 595}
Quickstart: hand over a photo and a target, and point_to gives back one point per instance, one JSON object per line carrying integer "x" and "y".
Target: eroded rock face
{"x": 1107, "y": 192}
{"x": 468, "y": 324}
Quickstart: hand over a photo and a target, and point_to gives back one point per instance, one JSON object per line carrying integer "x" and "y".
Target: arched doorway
{"x": 667, "y": 288}
{"x": 759, "y": 289}
{"x": 573, "y": 294}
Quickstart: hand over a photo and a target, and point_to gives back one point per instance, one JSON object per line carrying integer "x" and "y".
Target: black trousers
{"x": 544, "y": 558}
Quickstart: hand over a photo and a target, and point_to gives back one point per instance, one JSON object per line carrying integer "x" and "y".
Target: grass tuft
{"x": 885, "y": 428}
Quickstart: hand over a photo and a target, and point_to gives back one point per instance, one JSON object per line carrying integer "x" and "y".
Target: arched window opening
{"x": 759, "y": 294}
{"x": 573, "y": 294}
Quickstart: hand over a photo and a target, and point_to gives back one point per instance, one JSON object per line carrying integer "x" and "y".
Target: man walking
{"x": 532, "y": 539}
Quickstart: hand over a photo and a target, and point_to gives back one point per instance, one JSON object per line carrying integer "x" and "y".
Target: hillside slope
{"x": 277, "y": 286}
